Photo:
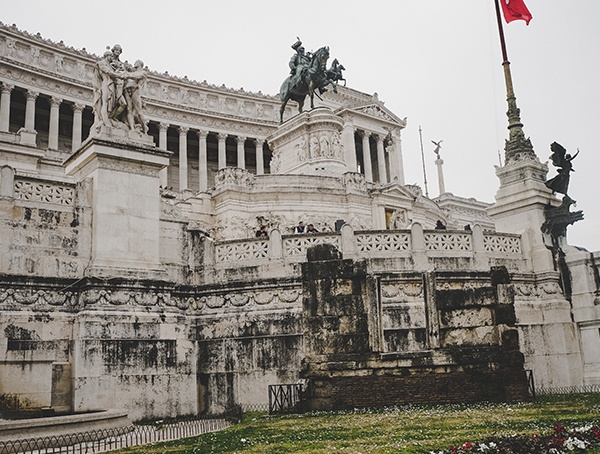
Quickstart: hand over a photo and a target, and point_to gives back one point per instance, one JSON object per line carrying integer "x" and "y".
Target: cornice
{"x": 29, "y": 40}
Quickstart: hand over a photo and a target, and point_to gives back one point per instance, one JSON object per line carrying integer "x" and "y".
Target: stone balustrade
{"x": 415, "y": 249}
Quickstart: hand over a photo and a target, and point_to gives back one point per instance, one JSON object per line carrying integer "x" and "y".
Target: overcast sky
{"x": 436, "y": 62}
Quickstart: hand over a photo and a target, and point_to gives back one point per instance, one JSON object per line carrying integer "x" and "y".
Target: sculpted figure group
{"x": 117, "y": 97}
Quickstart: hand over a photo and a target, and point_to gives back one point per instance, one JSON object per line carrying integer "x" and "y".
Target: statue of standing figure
{"x": 117, "y": 97}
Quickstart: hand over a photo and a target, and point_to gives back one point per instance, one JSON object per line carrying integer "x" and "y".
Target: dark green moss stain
{"x": 157, "y": 354}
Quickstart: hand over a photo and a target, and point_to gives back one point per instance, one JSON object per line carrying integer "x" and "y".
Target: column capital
{"x": 163, "y": 126}
{"x": 259, "y": 141}
{"x": 222, "y": 136}
{"x": 183, "y": 129}
{"x": 32, "y": 94}
{"x": 55, "y": 102}
{"x": 241, "y": 139}
{"x": 78, "y": 108}
{"x": 7, "y": 88}
{"x": 202, "y": 134}
{"x": 365, "y": 134}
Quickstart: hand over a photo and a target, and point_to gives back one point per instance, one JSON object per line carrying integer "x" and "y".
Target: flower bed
{"x": 560, "y": 441}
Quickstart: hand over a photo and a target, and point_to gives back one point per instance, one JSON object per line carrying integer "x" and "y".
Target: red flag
{"x": 515, "y": 10}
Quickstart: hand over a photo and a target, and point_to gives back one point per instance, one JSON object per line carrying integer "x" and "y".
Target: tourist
{"x": 262, "y": 232}
{"x": 311, "y": 229}
{"x": 299, "y": 228}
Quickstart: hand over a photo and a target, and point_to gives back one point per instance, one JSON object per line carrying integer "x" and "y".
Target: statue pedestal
{"x": 309, "y": 144}
{"x": 125, "y": 203}
{"x": 519, "y": 208}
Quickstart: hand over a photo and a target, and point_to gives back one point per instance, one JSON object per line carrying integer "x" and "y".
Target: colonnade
{"x": 388, "y": 154}
{"x": 203, "y": 158}
{"x": 377, "y": 156}
{"x": 28, "y": 122}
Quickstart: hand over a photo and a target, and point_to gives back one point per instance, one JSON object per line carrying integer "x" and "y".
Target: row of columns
{"x": 202, "y": 155}
{"x": 395, "y": 155}
{"x": 31, "y": 96}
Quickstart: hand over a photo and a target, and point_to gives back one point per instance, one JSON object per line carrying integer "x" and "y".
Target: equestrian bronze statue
{"x": 308, "y": 73}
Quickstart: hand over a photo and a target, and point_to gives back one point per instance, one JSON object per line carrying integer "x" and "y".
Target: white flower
{"x": 572, "y": 443}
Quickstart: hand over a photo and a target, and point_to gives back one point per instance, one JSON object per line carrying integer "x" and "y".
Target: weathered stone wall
{"x": 469, "y": 351}
{"x": 35, "y": 362}
{"x": 43, "y": 231}
{"x": 143, "y": 362}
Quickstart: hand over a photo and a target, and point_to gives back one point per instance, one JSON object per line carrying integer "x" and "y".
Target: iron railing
{"x": 287, "y": 398}
{"x": 97, "y": 441}
{"x": 551, "y": 390}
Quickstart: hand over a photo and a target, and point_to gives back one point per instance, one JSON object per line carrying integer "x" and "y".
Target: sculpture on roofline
{"x": 308, "y": 74}
{"x": 117, "y": 97}
{"x": 438, "y": 145}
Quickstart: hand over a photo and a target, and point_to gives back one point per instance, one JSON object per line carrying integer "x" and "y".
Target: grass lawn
{"x": 408, "y": 429}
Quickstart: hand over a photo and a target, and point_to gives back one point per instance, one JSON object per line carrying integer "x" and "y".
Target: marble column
{"x": 30, "y": 110}
{"x": 183, "y": 158}
{"x": 5, "y": 107}
{"x": 77, "y": 118}
{"x": 397, "y": 152}
{"x": 162, "y": 144}
{"x": 222, "y": 151}
{"x": 260, "y": 159}
{"x": 381, "y": 161}
{"x": 202, "y": 162}
{"x": 349, "y": 146}
{"x": 54, "y": 115}
{"x": 367, "y": 156}
{"x": 241, "y": 152}
{"x": 439, "y": 162}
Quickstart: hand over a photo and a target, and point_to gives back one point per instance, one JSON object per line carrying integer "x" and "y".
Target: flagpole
{"x": 516, "y": 146}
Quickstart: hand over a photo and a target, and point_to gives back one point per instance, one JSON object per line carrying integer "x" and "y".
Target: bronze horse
{"x": 314, "y": 77}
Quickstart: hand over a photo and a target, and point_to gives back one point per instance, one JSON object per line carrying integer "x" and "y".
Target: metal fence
{"x": 550, "y": 390}
{"x": 97, "y": 441}
{"x": 288, "y": 398}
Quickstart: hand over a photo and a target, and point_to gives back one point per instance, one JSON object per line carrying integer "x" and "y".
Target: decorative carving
{"x": 399, "y": 219}
{"x": 275, "y": 163}
{"x": 234, "y": 176}
{"x": 504, "y": 244}
{"x": 297, "y": 245}
{"x": 397, "y": 290}
{"x": 35, "y": 191}
{"x": 382, "y": 242}
{"x": 302, "y": 149}
{"x": 251, "y": 250}
{"x": 354, "y": 181}
{"x": 442, "y": 241}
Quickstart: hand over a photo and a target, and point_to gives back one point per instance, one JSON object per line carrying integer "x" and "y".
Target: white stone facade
{"x": 130, "y": 274}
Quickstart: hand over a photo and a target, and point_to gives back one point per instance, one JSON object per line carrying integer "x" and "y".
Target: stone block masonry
{"x": 471, "y": 350}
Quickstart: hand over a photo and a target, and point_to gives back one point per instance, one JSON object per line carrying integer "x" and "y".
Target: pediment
{"x": 398, "y": 191}
{"x": 378, "y": 111}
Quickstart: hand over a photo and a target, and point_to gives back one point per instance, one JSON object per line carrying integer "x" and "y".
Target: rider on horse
{"x": 300, "y": 61}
